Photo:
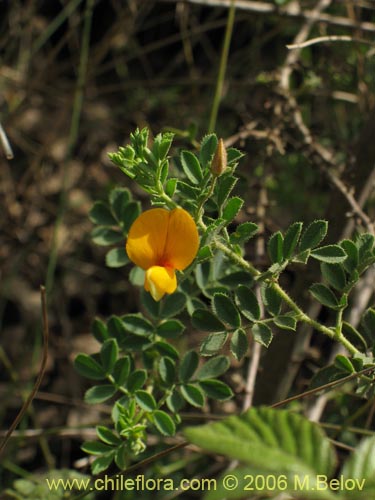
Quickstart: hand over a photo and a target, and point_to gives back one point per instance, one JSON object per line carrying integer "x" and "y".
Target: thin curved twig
{"x": 39, "y": 379}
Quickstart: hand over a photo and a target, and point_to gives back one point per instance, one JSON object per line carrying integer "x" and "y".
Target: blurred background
{"x": 76, "y": 77}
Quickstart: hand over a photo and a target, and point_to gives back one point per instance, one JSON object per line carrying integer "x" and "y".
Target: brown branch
{"x": 291, "y": 10}
{"x": 39, "y": 379}
{"x": 301, "y": 36}
{"x": 329, "y": 38}
{"x": 5, "y": 144}
{"x": 326, "y": 162}
{"x": 330, "y": 385}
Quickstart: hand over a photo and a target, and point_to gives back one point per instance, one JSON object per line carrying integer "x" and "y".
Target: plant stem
{"x": 204, "y": 199}
{"x": 222, "y": 68}
{"x": 333, "y": 334}
{"x": 237, "y": 258}
{"x": 302, "y": 316}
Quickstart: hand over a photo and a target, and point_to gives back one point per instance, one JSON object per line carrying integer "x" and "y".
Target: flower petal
{"x": 159, "y": 281}
{"x": 182, "y": 240}
{"x": 147, "y": 238}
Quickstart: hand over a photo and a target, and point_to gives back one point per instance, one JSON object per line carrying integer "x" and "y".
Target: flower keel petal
{"x": 159, "y": 281}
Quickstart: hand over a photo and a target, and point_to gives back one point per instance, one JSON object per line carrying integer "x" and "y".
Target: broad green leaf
{"x": 272, "y": 485}
{"x": 175, "y": 401}
{"x": 119, "y": 198}
{"x": 324, "y": 295}
{"x": 136, "y": 380}
{"x": 190, "y": 192}
{"x": 109, "y": 354}
{"x": 102, "y": 463}
{"x": 101, "y": 215}
{"x": 225, "y": 310}
{"x": 365, "y": 243}
{"x": 88, "y": 367}
{"x": 116, "y": 328}
{"x": 191, "y": 167}
{"x": 239, "y": 344}
{"x": 170, "y": 329}
{"x": 137, "y": 324}
{"x": 145, "y": 400}
{"x": 202, "y": 319}
{"x": 269, "y": 440}
{"x": 351, "y": 250}
{"x": 291, "y": 239}
{"x": 275, "y": 248}
{"x": 107, "y": 436}
{"x": 188, "y": 366}
{"x": 104, "y": 236}
{"x": 213, "y": 368}
{"x": 164, "y": 423}
{"x": 354, "y": 336}
{"x": 285, "y": 322}
{"x": 172, "y": 304}
{"x": 232, "y": 208}
{"x": 116, "y": 257}
{"x": 330, "y": 254}
{"x": 213, "y": 343}
{"x": 302, "y": 257}
{"x": 234, "y": 155}
{"x": 368, "y": 323}
{"x": 99, "y": 330}
{"x": 204, "y": 253}
{"x": 162, "y": 144}
{"x": 327, "y": 375}
{"x": 137, "y": 276}
{"x": 247, "y": 303}
{"x": 131, "y": 212}
{"x": 334, "y": 274}
{"x": 360, "y": 467}
{"x": 207, "y": 150}
{"x": 95, "y": 447}
{"x": 170, "y": 187}
{"x": 216, "y": 389}
{"x": 225, "y": 185}
{"x": 313, "y": 235}
{"x": 271, "y": 299}
{"x": 167, "y": 370}
{"x": 166, "y": 349}
{"x": 236, "y": 278}
{"x": 192, "y": 394}
{"x": 121, "y": 457}
{"x": 262, "y": 334}
{"x": 243, "y": 233}
{"x": 343, "y": 363}
{"x": 152, "y": 307}
{"x": 121, "y": 370}
{"x": 99, "y": 393}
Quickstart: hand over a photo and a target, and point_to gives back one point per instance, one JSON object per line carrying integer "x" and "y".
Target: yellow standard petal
{"x": 159, "y": 281}
{"x": 182, "y": 240}
{"x": 147, "y": 238}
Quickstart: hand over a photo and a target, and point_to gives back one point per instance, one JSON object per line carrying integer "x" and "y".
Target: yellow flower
{"x": 160, "y": 242}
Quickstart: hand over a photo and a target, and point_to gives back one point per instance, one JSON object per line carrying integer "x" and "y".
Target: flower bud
{"x": 219, "y": 162}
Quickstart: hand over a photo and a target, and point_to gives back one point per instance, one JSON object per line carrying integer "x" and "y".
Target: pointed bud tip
{"x": 219, "y": 161}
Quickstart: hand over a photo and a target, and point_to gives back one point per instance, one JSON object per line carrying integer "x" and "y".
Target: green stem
{"x": 306, "y": 319}
{"x": 204, "y": 199}
{"x": 237, "y": 258}
{"x": 222, "y": 68}
{"x": 302, "y": 316}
